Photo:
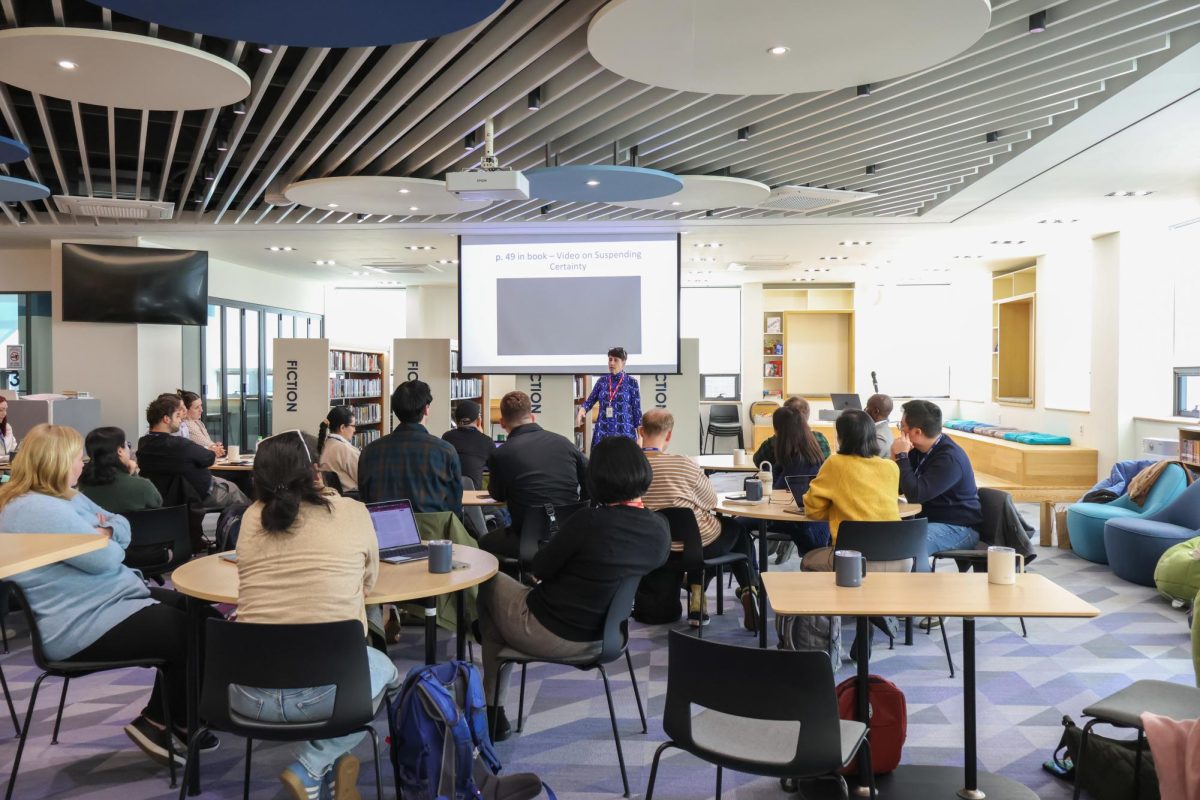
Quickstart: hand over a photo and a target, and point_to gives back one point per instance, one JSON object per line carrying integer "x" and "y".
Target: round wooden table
{"x": 776, "y": 507}
{"x": 479, "y": 497}
{"x": 724, "y": 463}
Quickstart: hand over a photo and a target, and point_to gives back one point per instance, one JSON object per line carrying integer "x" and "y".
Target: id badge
{"x": 608, "y": 412}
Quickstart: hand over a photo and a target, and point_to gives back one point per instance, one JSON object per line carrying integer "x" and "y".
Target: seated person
{"x": 533, "y": 467}
{"x": 474, "y": 447}
{"x": 410, "y": 463}
{"x": 306, "y": 555}
{"x": 8, "y": 439}
{"x": 679, "y": 482}
{"x": 193, "y": 423}
{"x": 337, "y": 454}
{"x": 935, "y": 472}
{"x": 853, "y": 484}
{"x": 580, "y": 570}
{"x": 92, "y": 607}
{"x": 879, "y": 409}
{"x": 110, "y": 478}
{"x": 163, "y": 456}
{"x": 766, "y": 450}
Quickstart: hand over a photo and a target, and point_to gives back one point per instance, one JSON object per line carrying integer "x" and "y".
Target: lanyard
{"x": 650, "y": 449}
{"x": 631, "y": 503}
{"x": 612, "y": 390}
{"x": 925, "y": 456}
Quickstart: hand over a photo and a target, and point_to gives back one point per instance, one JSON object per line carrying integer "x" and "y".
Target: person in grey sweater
{"x": 92, "y": 607}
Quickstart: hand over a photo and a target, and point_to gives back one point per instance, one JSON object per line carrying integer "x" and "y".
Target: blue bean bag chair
{"x": 1086, "y": 521}
{"x": 1135, "y": 545}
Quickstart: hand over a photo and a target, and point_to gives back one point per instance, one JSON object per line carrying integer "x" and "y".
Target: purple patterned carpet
{"x": 1025, "y": 687}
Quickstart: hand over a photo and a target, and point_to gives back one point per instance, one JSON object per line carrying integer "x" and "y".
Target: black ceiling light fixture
{"x": 863, "y": 90}
{"x": 1037, "y": 22}
{"x": 743, "y": 134}
{"x": 239, "y": 108}
{"x": 469, "y": 142}
{"x": 992, "y": 137}
{"x": 870, "y": 169}
{"x": 535, "y": 99}
{"x": 222, "y": 143}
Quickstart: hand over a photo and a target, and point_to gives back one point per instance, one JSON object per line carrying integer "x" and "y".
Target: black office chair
{"x": 332, "y": 480}
{"x": 71, "y": 669}
{"x": 538, "y": 524}
{"x": 685, "y": 529}
{"x": 160, "y": 540}
{"x": 285, "y": 657}
{"x": 890, "y": 541}
{"x": 783, "y": 723}
{"x": 724, "y": 419}
{"x": 616, "y": 643}
{"x": 12, "y": 711}
{"x": 473, "y": 519}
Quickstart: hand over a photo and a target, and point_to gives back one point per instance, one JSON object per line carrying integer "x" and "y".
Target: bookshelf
{"x": 581, "y": 386}
{"x": 813, "y": 330}
{"x": 466, "y": 387}
{"x": 1014, "y": 296}
{"x": 1189, "y": 447}
{"x": 772, "y": 369}
{"x": 356, "y": 379}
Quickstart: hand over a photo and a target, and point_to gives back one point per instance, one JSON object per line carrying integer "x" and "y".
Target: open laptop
{"x": 798, "y": 485}
{"x": 396, "y": 532}
{"x": 843, "y": 402}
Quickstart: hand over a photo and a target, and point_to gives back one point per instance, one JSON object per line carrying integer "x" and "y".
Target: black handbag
{"x": 1107, "y": 772}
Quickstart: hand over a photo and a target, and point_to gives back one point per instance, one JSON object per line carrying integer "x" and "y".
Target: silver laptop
{"x": 843, "y": 402}
{"x": 396, "y": 532}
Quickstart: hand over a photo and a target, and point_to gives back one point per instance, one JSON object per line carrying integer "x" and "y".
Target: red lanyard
{"x": 612, "y": 390}
{"x": 631, "y": 503}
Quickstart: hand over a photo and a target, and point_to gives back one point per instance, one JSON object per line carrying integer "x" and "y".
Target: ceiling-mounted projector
{"x": 492, "y": 184}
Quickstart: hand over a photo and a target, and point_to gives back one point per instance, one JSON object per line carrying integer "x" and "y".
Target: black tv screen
{"x": 107, "y": 283}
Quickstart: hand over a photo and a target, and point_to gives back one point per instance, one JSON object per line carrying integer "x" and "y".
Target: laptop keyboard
{"x": 408, "y": 551}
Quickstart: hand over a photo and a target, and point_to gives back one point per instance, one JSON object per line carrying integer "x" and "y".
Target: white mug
{"x": 739, "y": 457}
{"x": 232, "y": 452}
{"x": 1002, "y": 565}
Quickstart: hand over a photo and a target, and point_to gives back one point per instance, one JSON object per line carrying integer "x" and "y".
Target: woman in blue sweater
{"x": 92, "y": 607}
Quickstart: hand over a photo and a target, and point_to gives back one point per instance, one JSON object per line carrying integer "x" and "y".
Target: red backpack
{"x": 889, "y": 721}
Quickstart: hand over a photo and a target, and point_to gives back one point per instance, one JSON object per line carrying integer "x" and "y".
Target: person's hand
{"x": 132, "y": 466}
{"x": 102, "y": 526}
{"x": 901, "y": 445}
{"x": 580, "y": 416}
{"x": 218, "y": 449}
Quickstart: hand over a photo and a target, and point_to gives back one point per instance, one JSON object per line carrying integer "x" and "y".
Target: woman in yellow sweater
{"x": 853, "y": 484}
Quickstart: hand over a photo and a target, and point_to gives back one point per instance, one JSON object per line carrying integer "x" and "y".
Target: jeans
{"x": 313, "y": 705}
{"x": 944, "y": 536}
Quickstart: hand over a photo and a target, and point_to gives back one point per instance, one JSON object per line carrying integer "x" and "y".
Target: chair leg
{"x": 521, "y": 702}
{"x": 654, "y": 767}
{"x": 946, "y": 644}
{"x": 718, "y": 783}
{"x": 1024, "y": 632}
{"x": 12, "y": 778}
{"x": 375, "y": 751}
{"x": 612, "y": 715}
{"x": 246, "y": 773}
{"x": 720, "y": 590}
{"x": 1137, "y": 764}
{"x": 166, "y": 707}
{"x": 189, "y": 763}
{"x": 62, "y": 702}
{"x": 865, "y": 754}
{"x": 1083, "y": 743}
{"x": 495, "y": 704}
{"x": 12, "y": 711}
{"x": 636, "y": 695}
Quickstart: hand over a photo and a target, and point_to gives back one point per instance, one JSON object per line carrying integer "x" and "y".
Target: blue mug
{"x": 849, "y": 567}
{"x": 754, "y": 489}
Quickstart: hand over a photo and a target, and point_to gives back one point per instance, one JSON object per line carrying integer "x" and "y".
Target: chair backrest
{"x": 763, "y": 407}
{"x": 473, "y": 515}
{"x": 616, "y": 620}
{"x": 685, "y": 529}
{"x": 287, "y": 657}
{"x": 1184, "y": 510}
{"x": 885, "y": 541}
{"x": 159, "y": 540}
{"x": 992, "y": 505}
{"x": 1170, "y": 485}
{"x": 332, "y": 480}
{"x": 174, "y": 488}
{"x": 788, "y": 685}
{"x": 35, "y": 634}
{"x": 724, "y": 412}
{"x": 539, "y": 523}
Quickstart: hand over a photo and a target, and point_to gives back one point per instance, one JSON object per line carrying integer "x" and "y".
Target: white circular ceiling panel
{"x": 780, "y": 46}
{"x": 121, "y": 70}
{"x": 702, "y": 192}
{"x": 380, "y": 195}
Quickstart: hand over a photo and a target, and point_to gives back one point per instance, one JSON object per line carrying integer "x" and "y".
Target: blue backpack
{"x": 439, "y": 725}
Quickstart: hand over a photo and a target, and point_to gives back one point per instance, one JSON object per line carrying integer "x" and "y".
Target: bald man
{"x": 879, "y": 407}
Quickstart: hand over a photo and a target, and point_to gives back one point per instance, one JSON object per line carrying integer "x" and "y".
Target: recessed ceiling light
{"x": 1056, "y": 221}
{"x": 359, "y": 274}
{"x": 1037, "y": 22}
{"x": 64, "y": 64}
{"x": 593, "y": 182}
{"x": 239, "y": 108}
{"x": 1008, "y": 241}
{"x": 324, "y": 263}
{"x": 333, "y": 205}
{"x": 1128, "y": 193}
{"x": 854, "y": 243}
{"x": 414, "y": 208}
{"x": 419, "y": 247}
{"x": 676, "y": 203}
{"x": 835, "y": 258}
{"x": 743, "y": 134}
{"x": 778, "y": 50}
{"x": 706, "y": 244}
{"x": 405, "y": 191}
{"x": 968, "y": 257}
{"x": 265, "y": 49}
{"x": 275, "y": 248}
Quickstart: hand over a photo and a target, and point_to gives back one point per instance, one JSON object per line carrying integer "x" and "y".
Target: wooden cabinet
{"x": 1014, "y": 305}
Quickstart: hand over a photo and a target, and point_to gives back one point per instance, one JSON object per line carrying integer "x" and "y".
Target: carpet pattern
{"x": 1025, "y": 685}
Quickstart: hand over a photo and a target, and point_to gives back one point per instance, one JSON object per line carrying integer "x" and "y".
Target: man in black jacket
{"x": 163, "y": 455}
{"x": 473, "y": 445}
{"x": 532, "y": 468}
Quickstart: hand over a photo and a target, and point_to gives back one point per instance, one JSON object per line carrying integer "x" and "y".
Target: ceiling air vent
{"x": 759, "y": 266}
{"x": 396, "y": 268}
{"x": 108, "y": 208}
{"x": 807, "y": 198}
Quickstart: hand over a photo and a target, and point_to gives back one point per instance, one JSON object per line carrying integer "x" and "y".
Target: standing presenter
{"x": 620, "y": 400}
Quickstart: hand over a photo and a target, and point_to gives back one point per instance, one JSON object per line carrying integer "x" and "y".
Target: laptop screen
{"x": 395, "y": 525}
{"x": 798, "y": 485}
{"x": 841, "y": 402}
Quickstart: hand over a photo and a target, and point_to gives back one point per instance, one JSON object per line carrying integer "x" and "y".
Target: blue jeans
{"x": 944, "y": 536}
{"x": 313, "y": 705}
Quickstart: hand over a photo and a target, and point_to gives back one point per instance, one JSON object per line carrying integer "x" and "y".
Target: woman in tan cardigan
{"x": 334, "y": 444}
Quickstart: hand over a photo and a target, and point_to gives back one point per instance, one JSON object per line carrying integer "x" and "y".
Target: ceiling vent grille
{"x": 107, "y": 208}
{"x": 760, "y": 266}
{"x": 396, "y": 268}
{"x": 807, "y": 198}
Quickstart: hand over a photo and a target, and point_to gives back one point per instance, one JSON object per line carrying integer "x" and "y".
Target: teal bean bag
{"x": 1178, "y": 573}
{"x": 1086, "y": 521}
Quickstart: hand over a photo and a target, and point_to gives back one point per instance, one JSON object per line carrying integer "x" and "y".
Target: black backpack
{"x": 1107, "y": 772}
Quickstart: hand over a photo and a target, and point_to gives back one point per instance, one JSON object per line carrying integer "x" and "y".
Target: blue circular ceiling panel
{"x": 13, "y": 190}
{"x": 12, "y": 151}
{"x": 312, "y": 23}
{"x": 600, "y": 183}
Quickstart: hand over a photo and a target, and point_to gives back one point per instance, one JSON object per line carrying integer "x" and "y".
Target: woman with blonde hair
{"x": 92, "y": 607}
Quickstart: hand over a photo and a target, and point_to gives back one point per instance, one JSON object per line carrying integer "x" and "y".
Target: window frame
{"x": 1178, "y": 374}
{"x": 737, "y": 386}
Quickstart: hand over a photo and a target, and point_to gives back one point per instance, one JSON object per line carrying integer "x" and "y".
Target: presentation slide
{"x": 557, "y": 305}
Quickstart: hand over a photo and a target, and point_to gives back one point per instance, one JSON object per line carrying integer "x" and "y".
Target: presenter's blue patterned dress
{"x": 626, "y": 404}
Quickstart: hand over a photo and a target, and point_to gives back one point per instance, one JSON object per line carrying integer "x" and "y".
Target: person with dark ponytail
{"x": 306, "y": 555}
{"x": 337, "y": 453}
{"x": 110, "y": 478}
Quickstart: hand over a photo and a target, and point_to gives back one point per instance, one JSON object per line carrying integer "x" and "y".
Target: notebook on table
{"x": 396, "y": 532}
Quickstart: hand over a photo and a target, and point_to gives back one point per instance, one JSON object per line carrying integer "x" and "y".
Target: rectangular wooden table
{"x": 929, "y": 594}
{"x": 21, "y": 552}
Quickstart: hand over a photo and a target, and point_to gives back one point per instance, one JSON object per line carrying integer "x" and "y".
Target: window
{"x": 1187, "y": 392}
{"x": 714, "y": 316}
{"x": 25, "y": 321}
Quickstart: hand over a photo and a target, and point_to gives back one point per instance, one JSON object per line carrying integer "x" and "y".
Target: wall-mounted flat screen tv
{"x": 107, "y": 283}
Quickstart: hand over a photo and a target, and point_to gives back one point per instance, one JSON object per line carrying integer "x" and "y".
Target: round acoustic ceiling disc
{"x": 382, "y": 195}
{"x": 106, "y": 68}
{"x": 12, "y": 151}
{"x": 702, "y": 192}
{"x": 600, "y": 183}
{"x": 14, "y": 190}
{"x": 780, "y": 46}
{"x": 312, "y": 23}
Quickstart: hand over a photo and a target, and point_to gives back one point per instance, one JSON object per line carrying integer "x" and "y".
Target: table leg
{"x": 862, "y": 696}
{"x": 460, "y": 625}
{"x": 762, "y": 589}
{"x": 430, "y": 630}
{"x": 1047, "y": 523}
{"x": 971, "y": 766}
{"x": 195, "y": 619}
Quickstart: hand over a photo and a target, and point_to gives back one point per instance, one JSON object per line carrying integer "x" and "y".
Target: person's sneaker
{"x": 392, "y": 628}
{"x": 929, "y": 623}
{"x": 784, "y": 551}
{"x": 498, "y": 723}
{"x": 749, "y": 597}
{"x": 300, "y": 784}
{"x": 697, "y": 607}
{"x": 345, "y": 778}
{"x": 152, "y": 739}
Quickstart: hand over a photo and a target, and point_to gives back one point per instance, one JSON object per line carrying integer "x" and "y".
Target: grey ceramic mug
{"x": 849, "y": 567}
{"x": 441, "y": 556}
{"x": 754, "y": 489}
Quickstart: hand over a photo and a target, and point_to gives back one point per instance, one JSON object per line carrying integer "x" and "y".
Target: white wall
{"x": 365, "y": 318}
{"x": 25, "y": 270}
{"x": 230, "y": 281}
{"x": 432, "y": 312}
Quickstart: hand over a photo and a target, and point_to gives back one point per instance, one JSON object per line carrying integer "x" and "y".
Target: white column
{"x": 553, "y": 400}
{"x": 679, "y": 394}
{"x": 426, "y": 360}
